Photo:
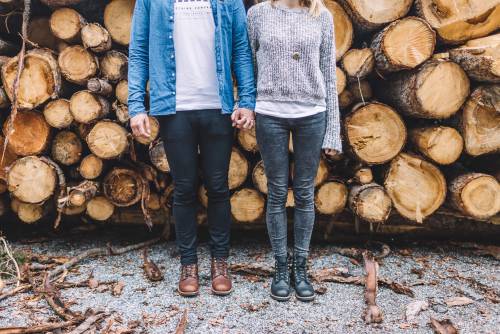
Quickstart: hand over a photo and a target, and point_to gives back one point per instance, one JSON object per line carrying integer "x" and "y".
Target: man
{"x": 188, "y": 51}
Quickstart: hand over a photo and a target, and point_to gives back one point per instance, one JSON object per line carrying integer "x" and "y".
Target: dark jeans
{"x": 182, "y": 134}
{"x": 272, "y": 137}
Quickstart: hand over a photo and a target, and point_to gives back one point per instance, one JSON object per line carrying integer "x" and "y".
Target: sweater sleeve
{"x": 252, "y": 35}
{"x": 332, "y": 138}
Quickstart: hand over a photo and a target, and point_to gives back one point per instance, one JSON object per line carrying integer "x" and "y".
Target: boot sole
{"x": 305, "y": 299}
{"x": 222, "y": 293}
{"x": 188, "y": 294}
{"x": 281, "y": 299}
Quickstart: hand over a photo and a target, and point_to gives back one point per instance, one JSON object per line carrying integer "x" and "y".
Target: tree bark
{"x": 404, "y": 44}
{"x": 480, "y": 58}
{"x": 358, "y": 63}
{"x": 158, "y": 156}
{"x": 100, "y": 86}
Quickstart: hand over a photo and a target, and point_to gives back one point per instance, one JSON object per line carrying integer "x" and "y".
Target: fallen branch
{"x": 259, "y": 269}
{"x": 52, "y": 297}
{"x": 126, "y": 249}
{"x": 153, "y": 273}
{"x": 90, "y": 321}
{"x": 372, "y": 313}
{"x": 43, "y": 328}
{"x": 21, "y": 288}
{"x": 181, "y": 326}
{"x": 94, "y": 252}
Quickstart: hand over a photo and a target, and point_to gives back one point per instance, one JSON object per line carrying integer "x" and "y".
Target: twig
{"x": 91, "y": 320}
{"x": 21, "y": 288}
{"x": 73, "y": 261}
{"x": 43, "y": 328}
{"x": 51, "y": 295}
{"x": 20, "y": 67}
{"x": 372, "y": 313}
{"x": 126, "y": 249}
{"x": 12, "y": 259}
{"x": 181, "y": 326}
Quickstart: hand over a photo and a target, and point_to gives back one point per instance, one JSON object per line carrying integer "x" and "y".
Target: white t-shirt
{"x": 288, "y": 109}
{"x": 194, "y": 40}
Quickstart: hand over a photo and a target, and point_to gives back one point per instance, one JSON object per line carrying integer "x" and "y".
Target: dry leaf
{"x": 320, "y": 290}
{"x": 458, "y": 301}
{"x": 414, "y": 308}
{"x": 443, "y": 326}
{"x": 93, "y": 283}
{"x": 118, "y": 288}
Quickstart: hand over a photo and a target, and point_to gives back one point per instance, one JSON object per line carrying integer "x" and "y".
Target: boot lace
{"x": 281, "y": 271}
{"x": 189, "y": 271}
{"x": 300, "y": 272}
{"x": 220, "y": 267}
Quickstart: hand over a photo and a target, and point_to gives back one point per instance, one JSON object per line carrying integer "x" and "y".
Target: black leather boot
{"x": 280, "y": 287}
{"x": 304, "y": 291}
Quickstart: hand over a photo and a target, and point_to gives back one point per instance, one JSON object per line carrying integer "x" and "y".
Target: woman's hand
{"x": 243, "y": 118}
{"x": 333, "y": 154}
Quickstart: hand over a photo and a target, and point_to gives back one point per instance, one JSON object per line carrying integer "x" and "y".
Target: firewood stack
{"x": 417, "y": 84}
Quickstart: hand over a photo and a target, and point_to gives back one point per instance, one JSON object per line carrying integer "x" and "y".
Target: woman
{"x": 294, "y": 51}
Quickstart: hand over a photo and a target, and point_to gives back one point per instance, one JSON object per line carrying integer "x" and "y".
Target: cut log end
{"x": 238, "y": 169}
{"x": 158, "y": 156}
{"x": 100, "y": 208}
{"x": 77, "y": 64}
{"x": 87, "y": 107}
{"x": 259, "y": 177}
{"x": 123, "y": 187}
{"x": 91, "y": 167}
{"x": 247, "y": 205}
{"x": 441, "y": 144}
{"x": 331, "y": 198}
{"x": 107, "y": 140}
{"x": 66, "y": 148}
{"x": 114, "y": 66}
{"x": 30, "y": 135}
{"x": 416, "y": 187}
{"x": 96, "y": 38}
{"x": 118, "y": 20}
{"x": 66, "y": 24}
{"x": 248, "y": 140}
{"x": 358, "y": 63}
{"x": 375, "y": 132}
{"x": 344, "y": 32}
{"x": 57, "y": 114}
{"x": 370, "y": 202}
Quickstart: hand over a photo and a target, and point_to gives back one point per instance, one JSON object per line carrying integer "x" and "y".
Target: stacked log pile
{"x": 417, "y": 84}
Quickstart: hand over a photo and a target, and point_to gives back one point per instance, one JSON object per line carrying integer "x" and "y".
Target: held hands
{"x": 243, "y": 118}
{"x": 140, "y": 125}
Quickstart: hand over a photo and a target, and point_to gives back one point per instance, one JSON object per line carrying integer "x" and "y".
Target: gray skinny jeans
{"x": 272, "y": 137}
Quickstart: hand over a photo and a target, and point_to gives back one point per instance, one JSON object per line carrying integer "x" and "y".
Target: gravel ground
{"x": 156, "y": 307}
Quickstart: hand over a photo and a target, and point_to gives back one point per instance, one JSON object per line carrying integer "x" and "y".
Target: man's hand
{"x": 140, "y": 125}
{"x": 333, "y": 154}
{"x": 243, "y": 118}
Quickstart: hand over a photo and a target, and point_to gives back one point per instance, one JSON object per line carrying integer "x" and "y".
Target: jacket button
{"x": 296, "y": 56}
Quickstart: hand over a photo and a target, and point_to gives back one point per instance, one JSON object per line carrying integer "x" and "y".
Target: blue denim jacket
{"x": 152, "y": 56}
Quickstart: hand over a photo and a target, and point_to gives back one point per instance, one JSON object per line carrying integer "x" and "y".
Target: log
{"x": 153, "y": 202}
{"x": 416, "y": 187}
{"x": 100, "y": 86}
{"x": 66, "y": 148}
{"x": 123, "y": 187}
{"x": 87, "y": 107}
{"x": 248, "y": 140}
{"x": 121, "y": 92}
{"x": 66, "y": 24}
{"x": 91, "y": 167}
{"x": 158, "y": 156}
{"x": 39, "y": 33}
{"x": 290, "y": 200}
{"x": 203, "y": 196}
{"x": 441, "y": 144}
{"x": 114, "y": 66}
{"x": 31, "y": 180}
{"x": 238, "y": 169}
{"x": 480, "y": 121}
{"x": 82, "y": 193}
{"x": 74, "y": 210}
{"x": 100, "y": 208}
{"x": 345, "y": 99}
{"x": 375, "y": 133}
{"x": 121, "y": 112}
{"x": 57, "y": 114}
{"x": 247, "y": 205}
{"x": 118, "y": 19}
{"x": 107, "y": 140}
{"x": 404, "y": 44}
{"x": 331, "y": 198}
{"x": 60, "y": 3}
{"x": 476, "y": 195}
{"x": 341, "y": 80}
{"x": 457, "y": 22}
{"x": 30, "y": 213}
{"x": 40, "y": 78}
{"x": 480, "y": 58}
{"x": 77, "y": 64}
{"x": 372, "y": 15}
{"x": 259, "y": 177}
{"x": 7, "y": 157}
{"x": 155, "y": 131}
{"x": 358, "y": 63}
{"x": 370, "y": 202}
{"x": 30, "y": 133}
{"x": 363, "y": 175}
{"x": 361, "y": 91}
{"x": 435, "y": 90}
{"x": 344, "y": 32}
{"x": 96, "y": 38}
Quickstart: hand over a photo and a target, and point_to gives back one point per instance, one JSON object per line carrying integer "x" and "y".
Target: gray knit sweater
{"x": 294, "y": 54}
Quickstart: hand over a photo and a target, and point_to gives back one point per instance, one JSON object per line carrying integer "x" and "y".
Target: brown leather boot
{"x": 188, "y": 282}
{"x": 221, "y": 282}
